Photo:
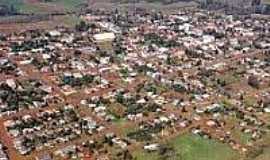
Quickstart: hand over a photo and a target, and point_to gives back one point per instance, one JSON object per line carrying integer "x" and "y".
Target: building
{"x": 104, "y": 37}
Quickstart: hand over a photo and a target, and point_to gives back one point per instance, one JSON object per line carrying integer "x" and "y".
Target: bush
{"x": 253, "y": 81}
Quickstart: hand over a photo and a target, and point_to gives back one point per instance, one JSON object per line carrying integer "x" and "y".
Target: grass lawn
{"x": 122, "y": 127}
{"x": 142, "y": 155}
{"x": 192, "y": 147}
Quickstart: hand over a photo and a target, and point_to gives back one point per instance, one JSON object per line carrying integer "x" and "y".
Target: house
{"x": 151, "y": 147}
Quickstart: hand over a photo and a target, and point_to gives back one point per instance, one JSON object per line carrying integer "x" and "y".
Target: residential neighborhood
{"x": 132, "y": 85}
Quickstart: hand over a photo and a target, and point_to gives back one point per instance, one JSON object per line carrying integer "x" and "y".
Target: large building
{"x": 104, "y": 37}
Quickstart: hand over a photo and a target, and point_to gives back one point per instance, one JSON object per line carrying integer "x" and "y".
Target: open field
{"x": 66, "y": 20}
{"x": 69, "y": 4}
{"x": 191, "y": 147}
{"x": 36, "y": 6}
{"x": 21, "y": 6}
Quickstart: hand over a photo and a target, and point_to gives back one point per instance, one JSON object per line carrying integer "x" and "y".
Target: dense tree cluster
{"x": 7, "y": 10}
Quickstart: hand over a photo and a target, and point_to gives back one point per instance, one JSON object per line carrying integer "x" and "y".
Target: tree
{"x": 82, "y": 26}
{"x": 168, "y": 152}
{"x": 12, "y": 9}
{"x": 253, "y": 81}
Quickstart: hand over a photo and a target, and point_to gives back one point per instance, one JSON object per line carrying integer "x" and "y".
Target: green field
{"x": 69, "y": 4}
{"x": 191, "y": 147}
{"x": 20, "y": 6}
{"x": 44, "y": 7}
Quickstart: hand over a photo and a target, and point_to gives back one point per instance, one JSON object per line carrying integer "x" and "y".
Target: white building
{"x": 104, "y": 37}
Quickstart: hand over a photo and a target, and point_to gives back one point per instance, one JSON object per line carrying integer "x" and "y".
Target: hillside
{"x": 42, "y": 6}
{"x": 266, "y": 2}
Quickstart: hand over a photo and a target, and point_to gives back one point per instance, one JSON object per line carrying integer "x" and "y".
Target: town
{"x": 127, "y": 85}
